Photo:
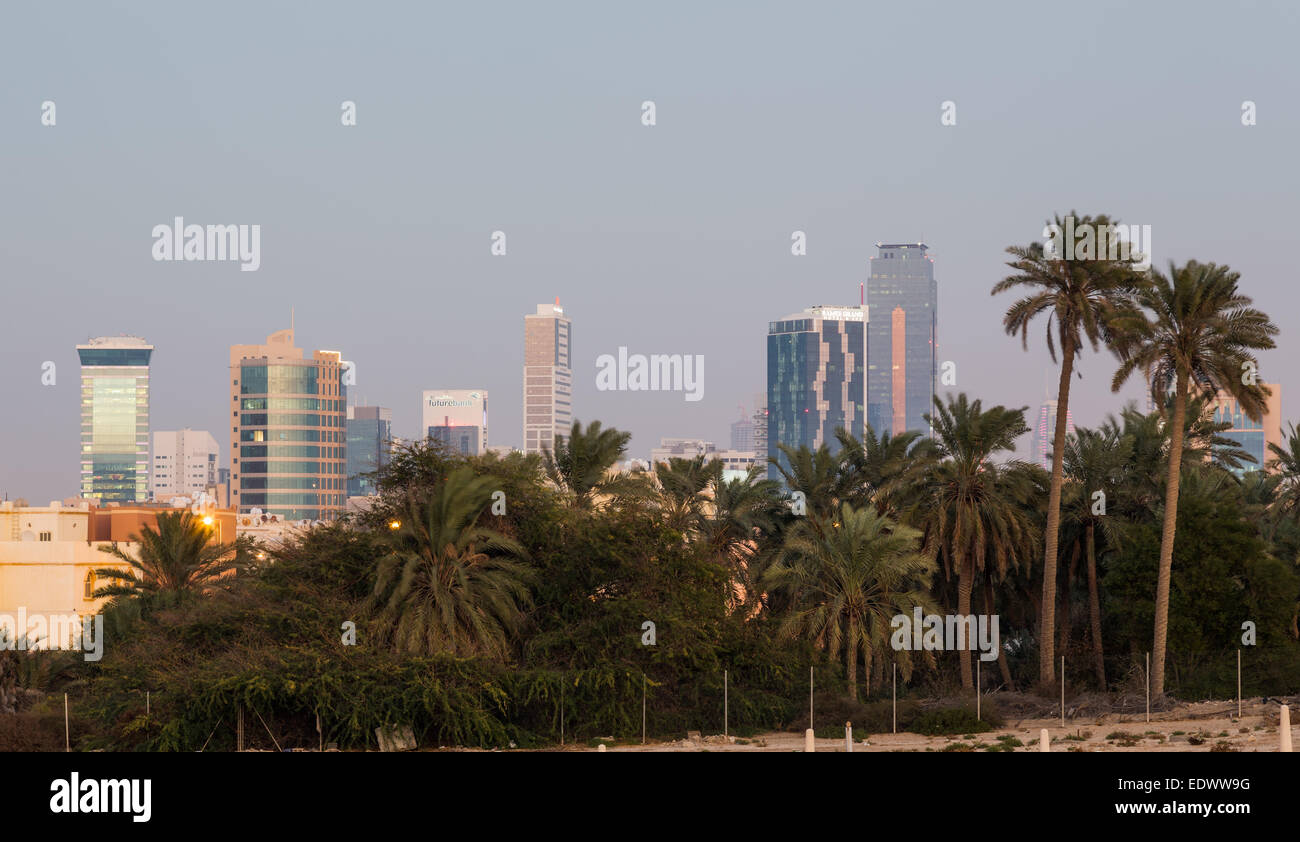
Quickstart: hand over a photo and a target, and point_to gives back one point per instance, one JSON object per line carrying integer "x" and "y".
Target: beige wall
{"x": 49, "y": 577}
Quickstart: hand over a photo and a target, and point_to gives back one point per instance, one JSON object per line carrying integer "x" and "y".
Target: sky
{"x": 672, "y": 238}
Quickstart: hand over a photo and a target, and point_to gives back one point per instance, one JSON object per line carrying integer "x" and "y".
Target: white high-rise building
{"x": 548, "y": 378}
{"x": 183, "y": 463}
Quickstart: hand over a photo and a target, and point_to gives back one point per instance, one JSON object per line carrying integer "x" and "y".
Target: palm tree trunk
{"x": 1046, "y": 655}
{"x": 1063, "y": 622}
{"x": 989, "y": 606}
{"x": 964, "y": 575}
{"x": 1167, "y": 536}
{"x": 1094, "y": 609}
{"x": 851, "y": 661}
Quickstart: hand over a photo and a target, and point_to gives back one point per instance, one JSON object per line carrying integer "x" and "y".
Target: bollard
{"x": 1285, "y": 728}
{"x": 848, "y": 737}
{"x": 808, "y": 741}
{"x": 1044, "y": 741}
{"x": 600, "y": 747}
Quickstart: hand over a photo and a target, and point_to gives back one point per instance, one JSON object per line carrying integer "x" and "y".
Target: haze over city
{"x": 669, "y": 239}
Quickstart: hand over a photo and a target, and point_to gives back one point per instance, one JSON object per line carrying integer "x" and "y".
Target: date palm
{"x": 815, "y": 474}
{"x": 1198, "y": 332}
{"x": 847, "y": 579}
{"x": 580, "y": 464}
{"x": 1094, "y": 462}
{"x": 743, "y": 510}
{"x": 684, "y": 486}
{"x": 1284, "y": 463}
{"x": 1081, "y": 299}
{"x": 975, "y": 515}
{"x": 171, "y": 563}
{"x": 883, "y": 469}
{"x": 448, "y": 584}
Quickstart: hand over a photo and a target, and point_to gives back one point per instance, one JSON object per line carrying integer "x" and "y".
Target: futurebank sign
{"x": 456, "y": 408}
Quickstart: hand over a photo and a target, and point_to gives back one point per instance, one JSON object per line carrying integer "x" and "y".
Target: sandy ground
{"x": 1204, "y": 726}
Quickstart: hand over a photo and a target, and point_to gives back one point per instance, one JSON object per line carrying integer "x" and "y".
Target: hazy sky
{"x": 667, "y": 239}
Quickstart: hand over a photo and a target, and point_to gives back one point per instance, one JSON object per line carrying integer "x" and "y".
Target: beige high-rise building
{"x": 288, "y": 430}
{"x": 548, "y": 378}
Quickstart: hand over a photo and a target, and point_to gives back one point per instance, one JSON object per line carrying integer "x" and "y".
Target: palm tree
{"x": 580, "y": 465}
{"x": 1200, "y": 332}
{"x": 815, "y": 474}
{"x": 1285, "y": 464}
{"x": 1095, "y": 462}
{"x": 683, "y": 489}
{"x": 448, "y": 584}
{"x": 1081, "y": 299}
{"x": 848, "y": 579}
{"x": 974, "y": 513}
{"x": 743, "y": 510}
{"x": 883, "y": 469}
{"x": 174, "y": 562}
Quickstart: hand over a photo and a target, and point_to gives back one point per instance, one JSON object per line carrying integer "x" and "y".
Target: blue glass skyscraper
{"x": 902, "y": 340}
{"x": 816, "y": 379}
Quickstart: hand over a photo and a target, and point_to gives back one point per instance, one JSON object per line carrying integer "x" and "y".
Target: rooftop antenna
{"x": 291, "y": 320}
{"x": 862, "y": 295}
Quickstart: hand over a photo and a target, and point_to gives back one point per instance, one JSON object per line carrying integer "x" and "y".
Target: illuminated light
{"x": 394, "y": 524}
{"x": 207, "y": 521}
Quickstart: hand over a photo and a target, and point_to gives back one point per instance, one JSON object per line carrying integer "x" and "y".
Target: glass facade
{"x": 461, "y": 439}
{"x": 290, "y": 436}
{"x": 115, "y": 419}
{"x": 370, "y": 434}
{"x": 816, "y": 381}
{"x": 1249, "y": 435}
{"x": 903, "y": 299}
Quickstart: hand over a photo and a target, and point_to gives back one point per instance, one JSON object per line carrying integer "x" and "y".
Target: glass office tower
{"x": 288, "y": 431}
{"x": 816, "y": 379}
{"x": 903, "y": 298}
{"x": 115, "y": 419}
{"x": 370, "y": 434}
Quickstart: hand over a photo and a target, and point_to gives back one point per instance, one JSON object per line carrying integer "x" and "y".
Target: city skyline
{"x": 672, "y": 238}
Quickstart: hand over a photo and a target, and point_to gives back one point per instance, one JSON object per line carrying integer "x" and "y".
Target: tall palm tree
{"x": 974, "y": 514}
{"x": 448, "y": 584}
{"x": 580, "y": 464}
{"x": 1198, "y": 332}
{"x": 848, "y": 580}
{"x": 174, "y": 562}
{"x": 1081, "y": 299}
{"x": 1095, "y": 462}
